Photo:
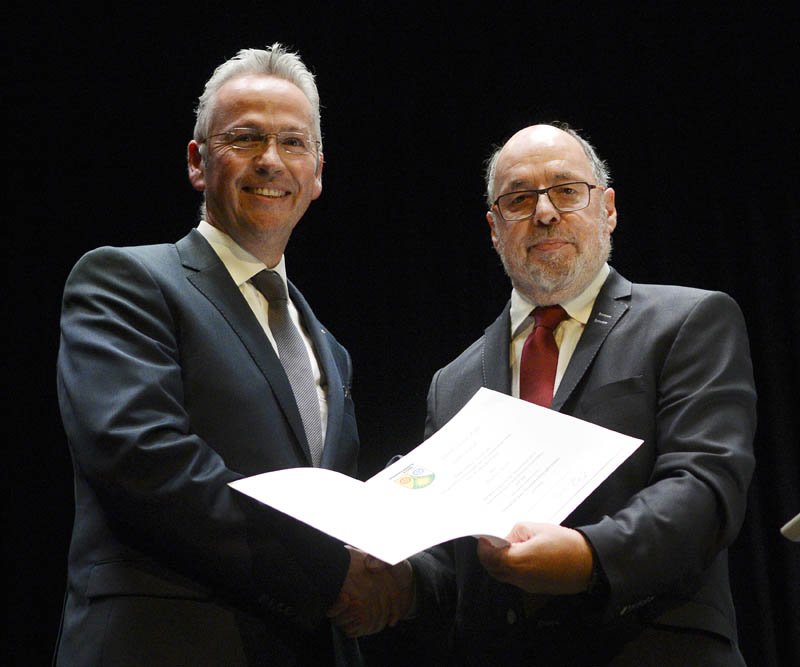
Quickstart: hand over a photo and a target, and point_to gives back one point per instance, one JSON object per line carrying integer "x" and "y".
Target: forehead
{"x": 539, "y": 155}
{"x": 261, "y": 98}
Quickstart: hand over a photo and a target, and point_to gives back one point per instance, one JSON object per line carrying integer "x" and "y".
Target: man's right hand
{"x": 374, "y": 595}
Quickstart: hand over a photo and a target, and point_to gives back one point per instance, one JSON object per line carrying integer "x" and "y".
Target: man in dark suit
{"x": 637, "y": 575}
{"x": 171, "y": 386}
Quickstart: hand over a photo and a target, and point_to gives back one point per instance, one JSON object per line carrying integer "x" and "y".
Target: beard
{"x": 558, "y": 280}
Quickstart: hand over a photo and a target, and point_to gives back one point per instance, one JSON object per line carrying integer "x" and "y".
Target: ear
{"x": 492, "y": 222}
{"x": 609, "y": 201}
{"x": 317, "y": 191}
{"x": 196, "y": 166}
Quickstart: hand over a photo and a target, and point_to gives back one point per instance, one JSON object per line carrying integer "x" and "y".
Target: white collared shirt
{"x": 567, "y": 333}
{"x": 243, "y": 266}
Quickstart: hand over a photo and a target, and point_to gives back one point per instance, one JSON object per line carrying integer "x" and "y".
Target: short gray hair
{"x": 599, "y": 167}
{"x": 274, "y": 61}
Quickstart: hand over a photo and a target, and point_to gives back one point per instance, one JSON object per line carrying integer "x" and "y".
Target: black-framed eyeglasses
{"x": 565, "y": 197}
{"x": 252, "y": 140}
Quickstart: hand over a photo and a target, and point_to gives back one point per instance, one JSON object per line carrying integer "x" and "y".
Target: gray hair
{"x": 275, "y": 61}
{"x": 599, "y": 167}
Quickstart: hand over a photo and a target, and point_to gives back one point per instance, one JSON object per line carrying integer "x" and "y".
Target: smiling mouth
{"x": 548, "y": 245}
{"x": 267, "y": 192}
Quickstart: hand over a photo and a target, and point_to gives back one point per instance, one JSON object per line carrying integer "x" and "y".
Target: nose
{"x": 545, "y": 214}
{"x": 269, "y": 157}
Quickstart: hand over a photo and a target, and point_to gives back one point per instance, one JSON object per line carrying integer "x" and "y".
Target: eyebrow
{"x": 260, "y": 128}
{"x": 525, "y": 184}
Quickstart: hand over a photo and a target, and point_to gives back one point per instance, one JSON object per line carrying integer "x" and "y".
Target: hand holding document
{"x": 499, "y": 461}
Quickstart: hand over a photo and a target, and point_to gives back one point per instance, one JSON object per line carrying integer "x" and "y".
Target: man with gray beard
{"x": 637, "y": 574}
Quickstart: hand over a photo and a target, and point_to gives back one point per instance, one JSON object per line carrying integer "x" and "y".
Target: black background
{"x": 693, "y": 108}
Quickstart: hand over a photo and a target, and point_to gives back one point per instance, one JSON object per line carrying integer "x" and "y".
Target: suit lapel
{"x": 332, "y": 378}
{"x": 495, "y": 366}
{"x": 609, "y": 307}
{"x": 209, "y": 275}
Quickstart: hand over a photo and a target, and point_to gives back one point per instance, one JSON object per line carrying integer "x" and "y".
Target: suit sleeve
{"x": 162, "y": 488}
{"x": 434, "y": 568}
{"x": 674, "y": 528}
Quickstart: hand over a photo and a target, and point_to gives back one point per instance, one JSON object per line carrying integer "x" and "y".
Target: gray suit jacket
{"x": 169, "y": 389}
{"x": 669, "y": 365}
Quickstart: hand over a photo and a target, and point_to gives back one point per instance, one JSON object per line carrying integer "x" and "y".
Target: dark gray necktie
{"x": 294, "y": 357}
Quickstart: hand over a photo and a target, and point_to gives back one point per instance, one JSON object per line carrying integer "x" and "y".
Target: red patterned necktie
{"x": 537, "y": 374}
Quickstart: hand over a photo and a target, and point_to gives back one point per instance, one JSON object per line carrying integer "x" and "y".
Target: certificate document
{"x": 499, "y": 461}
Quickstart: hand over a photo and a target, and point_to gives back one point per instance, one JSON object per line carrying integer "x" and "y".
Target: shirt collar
{"x": 579, "y": 308}
{"x": 240, "y": 264}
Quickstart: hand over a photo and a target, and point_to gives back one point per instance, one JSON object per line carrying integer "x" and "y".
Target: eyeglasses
{"x": 565, "y": 197}
{"x": 248, "y": 139}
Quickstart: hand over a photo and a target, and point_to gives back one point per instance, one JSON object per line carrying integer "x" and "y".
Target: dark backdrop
{"x": 692, "y": 108}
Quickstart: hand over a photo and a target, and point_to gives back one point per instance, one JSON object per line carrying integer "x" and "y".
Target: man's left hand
{"x": 541, "y": 558}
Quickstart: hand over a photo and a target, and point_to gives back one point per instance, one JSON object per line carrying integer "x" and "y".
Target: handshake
{"x": 536, "y": 557}
{"x": 374, "y": 595}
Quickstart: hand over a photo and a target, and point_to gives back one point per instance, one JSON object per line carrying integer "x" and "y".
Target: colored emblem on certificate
{"x": 414, "y": 477}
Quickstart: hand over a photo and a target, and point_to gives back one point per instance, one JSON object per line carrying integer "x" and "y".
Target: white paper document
{"x": 499, "y": 461}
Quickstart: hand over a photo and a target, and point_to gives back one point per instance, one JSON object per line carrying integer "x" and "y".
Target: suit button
{"x": 511, "y": 617}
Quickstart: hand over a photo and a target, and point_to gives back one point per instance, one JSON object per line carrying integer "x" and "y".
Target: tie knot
{"x": 270, "y": 284}
{"x": 549, "y": 317}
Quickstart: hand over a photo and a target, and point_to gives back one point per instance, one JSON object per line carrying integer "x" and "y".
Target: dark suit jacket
{"x": 168, "y": 390}
{"x": 669, "y": 365}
